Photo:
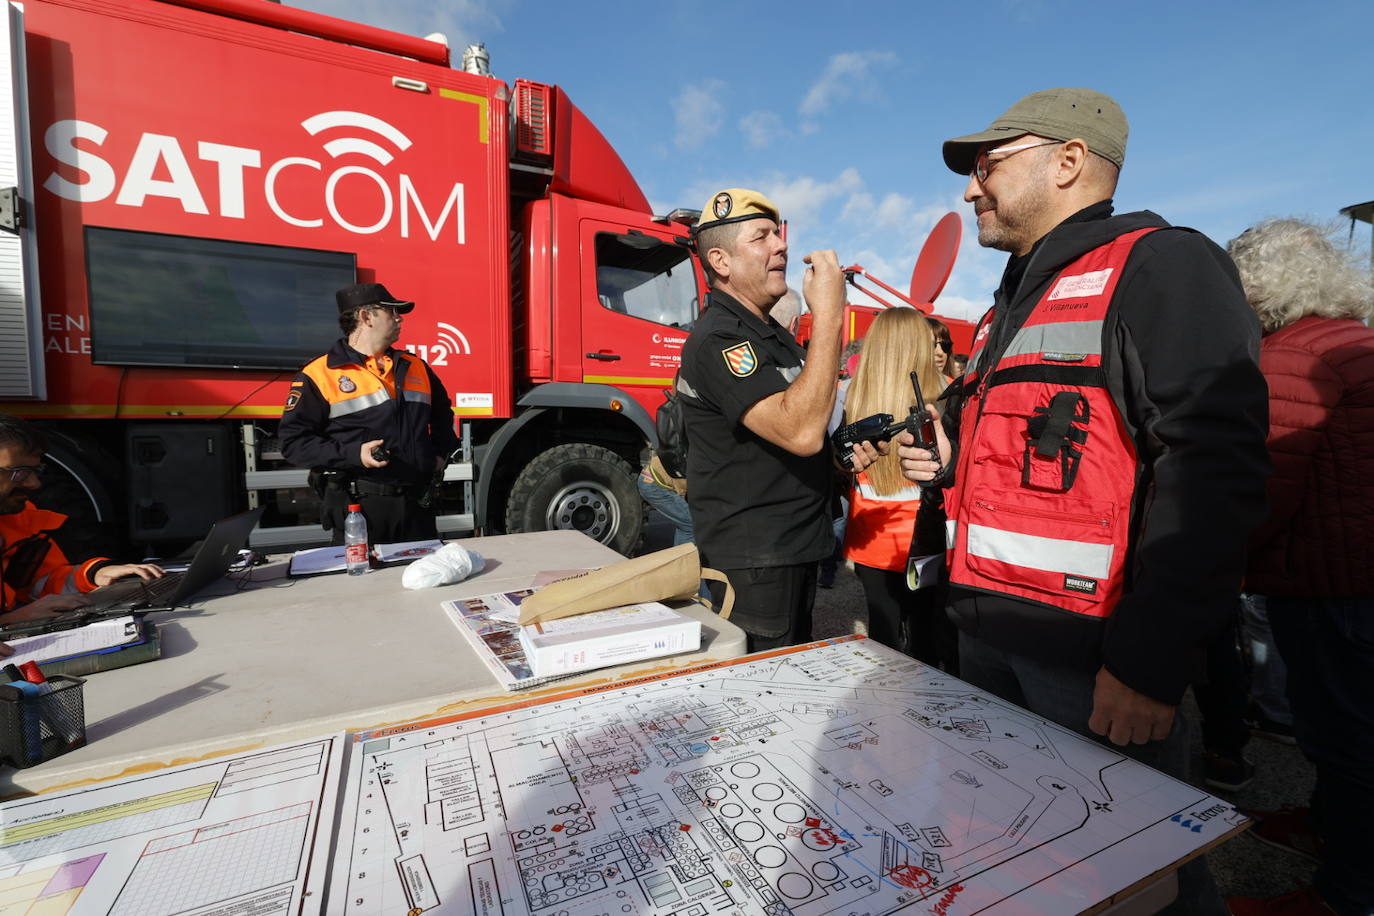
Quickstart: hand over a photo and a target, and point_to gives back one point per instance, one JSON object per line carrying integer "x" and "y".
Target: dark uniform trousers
{"x": 773, "y": 604}
{"x": 391, "y": 517}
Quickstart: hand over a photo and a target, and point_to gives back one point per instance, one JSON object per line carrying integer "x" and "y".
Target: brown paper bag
{"x": 663, "y": 575}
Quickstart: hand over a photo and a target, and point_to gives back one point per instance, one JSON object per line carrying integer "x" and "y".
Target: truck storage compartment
{"x": 179, "y": 479}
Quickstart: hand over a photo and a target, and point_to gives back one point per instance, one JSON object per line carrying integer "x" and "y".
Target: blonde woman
{"x": 882, "y": 504}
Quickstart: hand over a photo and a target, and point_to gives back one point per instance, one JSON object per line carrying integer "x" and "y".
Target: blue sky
{"x": 1238, "y": 111}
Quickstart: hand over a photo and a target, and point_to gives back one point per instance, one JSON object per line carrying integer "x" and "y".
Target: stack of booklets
{"x": 523, "y": 657}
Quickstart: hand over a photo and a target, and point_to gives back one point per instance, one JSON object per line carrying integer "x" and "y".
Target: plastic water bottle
{"x": 355, "y": 540}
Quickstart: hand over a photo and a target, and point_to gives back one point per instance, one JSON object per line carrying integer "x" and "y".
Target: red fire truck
{"x": 187, "y": 182}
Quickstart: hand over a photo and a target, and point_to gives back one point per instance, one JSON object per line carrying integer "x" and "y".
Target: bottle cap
{"x": 32, "y": 673}
{"x": 354, "y": 507}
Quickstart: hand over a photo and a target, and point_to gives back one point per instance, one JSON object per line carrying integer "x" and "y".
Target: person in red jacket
{"x": 36, "y": 575}
{"x": 1313, "y": 557}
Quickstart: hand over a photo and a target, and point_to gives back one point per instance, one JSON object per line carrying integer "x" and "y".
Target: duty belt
{"x": 373, "y": 488}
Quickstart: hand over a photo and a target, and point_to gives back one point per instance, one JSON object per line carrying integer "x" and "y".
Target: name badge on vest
{"x": 1092, "y": 283}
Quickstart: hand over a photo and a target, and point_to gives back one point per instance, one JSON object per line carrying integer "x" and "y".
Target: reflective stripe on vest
{"x": 352, "y": 388}
{"x": 1059, "y": 555}
{"x": 361, "y": 402}
{"x": 1041, "y": 504}
{"x": 904, "y": 494}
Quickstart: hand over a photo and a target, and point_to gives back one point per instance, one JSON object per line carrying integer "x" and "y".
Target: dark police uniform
{"x": 761, "y": 514}
{"x": 344, "y": 398}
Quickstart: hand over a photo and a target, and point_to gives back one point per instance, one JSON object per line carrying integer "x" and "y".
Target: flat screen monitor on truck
{"x": 255, "y": 306}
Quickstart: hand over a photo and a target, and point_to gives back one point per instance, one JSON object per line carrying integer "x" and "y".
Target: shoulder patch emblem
{"x": 740, "y": 359}
{"x": 293, "y": 399}
{"x": 347, "y": 385}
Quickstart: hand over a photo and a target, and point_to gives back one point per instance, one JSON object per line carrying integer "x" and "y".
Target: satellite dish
{"x": 936, "y": 260}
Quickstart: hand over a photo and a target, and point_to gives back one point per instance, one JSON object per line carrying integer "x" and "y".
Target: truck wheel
{"x": 578, "y": 487}
{"x": 73, "y": 486}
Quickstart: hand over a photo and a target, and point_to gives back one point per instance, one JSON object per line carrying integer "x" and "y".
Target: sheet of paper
{"x": 924, "y": 572}
{"x": 405, "y": 551}
{"x": 245, "y": 834}
{"x": 332, "y": 559}
{"x": 46, "y": 647}
{"x": 839, "y": 778}
{"x": 318, "y": 560}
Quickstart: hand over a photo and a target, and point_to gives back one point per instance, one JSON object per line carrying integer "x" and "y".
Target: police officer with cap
{"x": 759, "y": 470}
{"x": 373, "y": 423}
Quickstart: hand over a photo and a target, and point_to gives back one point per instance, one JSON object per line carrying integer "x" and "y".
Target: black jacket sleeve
{"x": 441, "y": 417}
{"x": 1188, "y": 373}
{"x": 304, "y": 423}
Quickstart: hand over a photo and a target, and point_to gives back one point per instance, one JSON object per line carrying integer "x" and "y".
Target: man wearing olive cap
{"x": 372, "y": 422}
{"x": 758, "y": 466}
{"x": 1108, "y": 459}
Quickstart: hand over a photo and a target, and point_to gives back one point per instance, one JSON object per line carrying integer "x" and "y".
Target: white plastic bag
{"x": 447, "y": 565}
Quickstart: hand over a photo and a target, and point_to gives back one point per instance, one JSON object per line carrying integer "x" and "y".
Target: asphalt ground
{"x": 1242, "y": 866}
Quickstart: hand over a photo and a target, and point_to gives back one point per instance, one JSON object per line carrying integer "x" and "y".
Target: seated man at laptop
{"x": 36, "y": 576}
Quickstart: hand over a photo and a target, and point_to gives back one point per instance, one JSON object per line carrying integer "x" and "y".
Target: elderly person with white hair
{"x": 1314, "y": 556}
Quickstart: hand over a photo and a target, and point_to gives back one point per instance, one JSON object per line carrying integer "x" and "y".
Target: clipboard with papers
{"x": 99, "y": 646}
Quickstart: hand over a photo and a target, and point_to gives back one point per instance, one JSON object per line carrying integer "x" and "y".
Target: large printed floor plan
{"x": 836, "y": 778}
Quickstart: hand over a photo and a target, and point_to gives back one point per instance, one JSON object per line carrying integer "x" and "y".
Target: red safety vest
{"x": 1046, "y": 471}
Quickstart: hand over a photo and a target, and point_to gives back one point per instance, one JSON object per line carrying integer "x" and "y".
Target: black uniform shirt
{"x": 753, "y": 503}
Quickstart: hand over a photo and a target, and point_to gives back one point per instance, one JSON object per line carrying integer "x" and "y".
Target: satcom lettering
{"x": 355, "y": 198}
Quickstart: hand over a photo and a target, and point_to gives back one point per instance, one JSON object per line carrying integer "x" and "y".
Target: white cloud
{"x": 760, "y": 128}
{"x": 697, "y": 113}
{"x": 857, "y": 208}
{"x": 801, "y": 199}
{"x": 846, "y": 76}
{"x": 895, "y": 211}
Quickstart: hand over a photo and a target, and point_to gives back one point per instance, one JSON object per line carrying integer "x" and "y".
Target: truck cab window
{"x": 645, "y": 277}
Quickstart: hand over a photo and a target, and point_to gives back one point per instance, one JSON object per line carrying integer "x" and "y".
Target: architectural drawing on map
{"x": 838, "y": 779}
{"x": 235, "y": 835}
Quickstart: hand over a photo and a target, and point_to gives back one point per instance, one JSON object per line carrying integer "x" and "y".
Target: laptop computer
{"x": 213, "y": 558}
{"x": 132, "y": 595}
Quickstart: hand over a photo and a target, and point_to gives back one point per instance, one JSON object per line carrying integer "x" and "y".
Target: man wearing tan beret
{"x": 756, "y": 404}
